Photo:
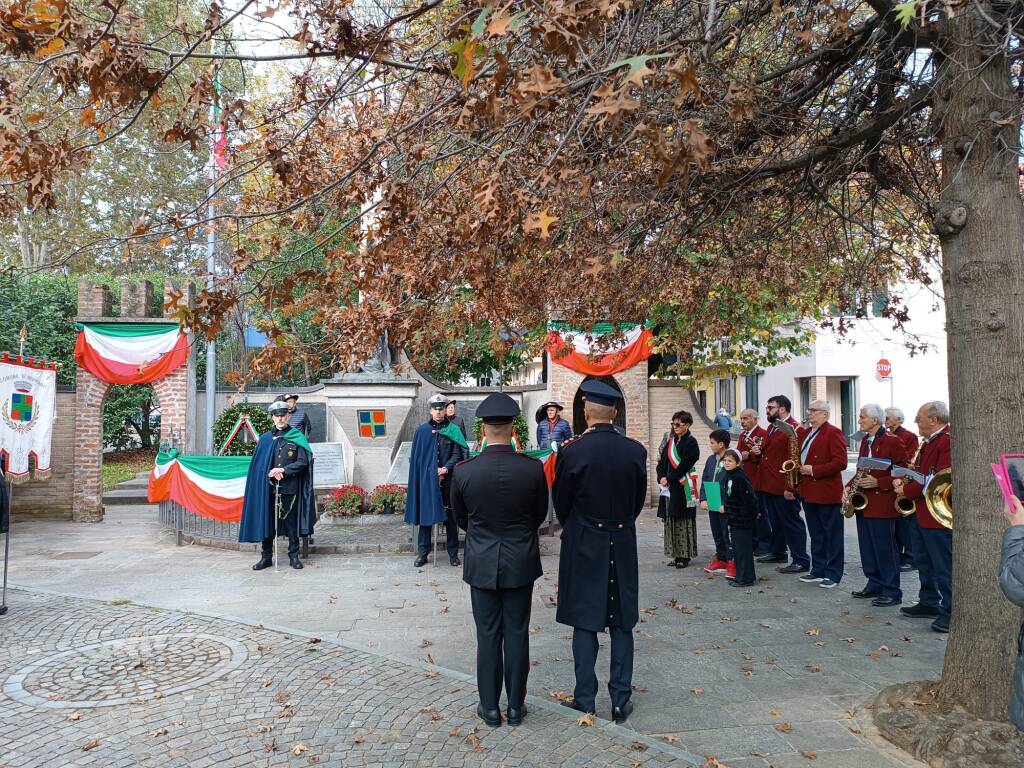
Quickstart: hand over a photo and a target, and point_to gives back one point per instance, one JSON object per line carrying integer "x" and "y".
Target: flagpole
{"x": 211, "y": 268}
{"x": 22, "y": 338}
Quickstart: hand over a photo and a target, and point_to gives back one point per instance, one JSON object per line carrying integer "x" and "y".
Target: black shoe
{"x": 491, "y": 717}
{"x": 793, "y": 568}
{"x": 941, "y": 624}
{"x": 573, "y": 705}
{"x": 761, "y": 553}
{"x": 295, "y": 562}
{"x": 735, "y": 583}
{"x": 421, "y": 560}
{"x": 621, "y": 714}
{"x": 516, "y": 714}
{"x": 907, "y": 568}
{"x": 454, "y": 560}
{"x": 920, "y": 611}
{"x": 863, "y": 594}
{"x": 885, "y": 602}
{"x": 265, "y": 562}
{"x": 772, "y": 559}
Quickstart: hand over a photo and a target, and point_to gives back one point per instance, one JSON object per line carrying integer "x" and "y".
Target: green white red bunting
{"x": 209, "y": 486}
{"x": 580, "y": 351}
{"x": 130, "y": 353}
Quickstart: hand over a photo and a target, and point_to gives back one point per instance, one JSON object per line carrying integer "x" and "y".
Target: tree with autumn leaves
{"x": 510, "y": 163}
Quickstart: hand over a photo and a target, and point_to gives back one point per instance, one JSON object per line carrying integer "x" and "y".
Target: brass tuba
{"x": 791, "y": 466}
{"x": 938, "y": 497}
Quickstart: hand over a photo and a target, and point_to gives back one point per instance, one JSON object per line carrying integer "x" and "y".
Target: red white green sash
{"x": 689, "y": 481}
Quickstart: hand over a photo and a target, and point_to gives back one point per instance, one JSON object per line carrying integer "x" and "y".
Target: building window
{"x": 800, "y": 409}
{"x": 725, "y": 394}
{"x": 372, "y": 424}
{"x": 879, "y": 301}
{"x": 750, "y": 391}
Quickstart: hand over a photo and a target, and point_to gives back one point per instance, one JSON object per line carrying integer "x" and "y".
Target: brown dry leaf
{"x": 540, "y": 223}
{"x": 299, "y": 748}
{"x": 159, "y": 732}
{"x": 696, "y": 691}
{"x": 638, "y": 689}
{"x": 810, "y": 754}
{"x": 670, "y": 738}
{"x": 639, "y": 746}
{"x": 139, "y": 664}
{"x": 812, "y": 668}
{"x": 426, "y": 709}
{"x": 813, "y": 631}
{"x": 270, "y": 746}
{"x": 905, "y": 639}
{"x": 634, "y": 763}
{"x": 773, "y": 712}
{"x": 783, "y": 727}
{"x": 819, "y": 644}
{"x": 561, "y": 696}
{"x": 358, "y": 740}
{"x": 91, "y": 744}
{"x": 748, "y": 671}
{"x": 855, "y": 731}
{"x": 431, "y": 673}
{"x": 883, "y": 648}
{"x": 74, "y": 716}
{"x": 281, "y": 697}
{"x": 454, "y": 732}
{"x": 585, "y": 720}
{"x": 430, "y": 659}
{"x": 728, "y": 618}
{"x": 424, "y": 643}
{"x": 434, "y": 717}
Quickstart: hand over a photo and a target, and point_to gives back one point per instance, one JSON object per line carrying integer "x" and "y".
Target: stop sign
{"x": 884, "y": 368}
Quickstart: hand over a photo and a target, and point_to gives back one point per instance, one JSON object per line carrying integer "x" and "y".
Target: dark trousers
{"x": 877, "y": 540}
{"x": 905, "y": 539}
{"x": 763, "y": 541}
{"x": 825, "y": 524}
{"x": 785, "y": 515}
{"x": 286, "y": 525}
{"x": 620, "y": 677}
{"x": 777, "y": 544}
{"x": 502, "y": 618}
{"x": 743, "y": 554}
{"x": 720, "y": 533}
{"x": 451, "y": 531}
{"x": 933, "y": 557}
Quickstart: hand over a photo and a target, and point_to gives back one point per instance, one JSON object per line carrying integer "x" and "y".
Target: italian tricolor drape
{"x": 571, "y": 348}
{"x": 210, "y": 486}
{"x": 130, "y": 353}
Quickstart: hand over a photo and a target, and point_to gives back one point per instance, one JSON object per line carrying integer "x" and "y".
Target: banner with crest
{"x": 28, "y": 404}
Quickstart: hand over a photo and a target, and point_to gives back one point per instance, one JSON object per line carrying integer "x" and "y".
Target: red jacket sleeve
{"x": 836, "y": 452}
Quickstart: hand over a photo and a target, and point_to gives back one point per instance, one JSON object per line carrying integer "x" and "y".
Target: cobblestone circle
{"x": 125, "y": 670}
{"x": 279, "y": 699}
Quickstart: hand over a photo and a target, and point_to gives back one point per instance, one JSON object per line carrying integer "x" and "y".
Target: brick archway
{"x": 174, "y": 395}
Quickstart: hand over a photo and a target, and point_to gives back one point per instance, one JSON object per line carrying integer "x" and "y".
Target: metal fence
{"x": 187, "y": 524}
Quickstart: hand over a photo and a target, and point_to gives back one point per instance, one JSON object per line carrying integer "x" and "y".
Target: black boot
{"x": 295, "y": 562}
{"x": 421, "y": 560}
{"x": 265, "y": 562}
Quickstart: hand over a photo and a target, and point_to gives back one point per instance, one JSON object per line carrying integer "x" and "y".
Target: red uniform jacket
{"x": 909, "y": 440}
{"x": 882, "y": 500}
{"x": 752, "y": 465}
{"x": 827, "y": 457}
{"x": 936, "y": 455}
{"x": 774, "y": 452}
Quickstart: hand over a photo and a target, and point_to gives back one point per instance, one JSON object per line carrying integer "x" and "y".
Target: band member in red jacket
{"x": 933, "y": 544}
{"x": 779, "y": 498}
{"x": 876, "y": 525}
{"x": 749, "y": 446}
{"x": 904, "y": 525}
{"x": 822, "y": 461}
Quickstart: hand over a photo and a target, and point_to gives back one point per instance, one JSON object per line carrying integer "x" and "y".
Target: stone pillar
{"x": 819, "y": 388}
{"x": 136, "y": 299}
{"x": 183, "y": 295}
{"x": 93, "y": 300}
{"x": 90, "y": 394}
{"x": 172, "y": 395}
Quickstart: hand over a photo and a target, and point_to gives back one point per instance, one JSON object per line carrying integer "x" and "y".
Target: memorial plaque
{"x": 399, "y": 472}
{"x": 328, "y": 465}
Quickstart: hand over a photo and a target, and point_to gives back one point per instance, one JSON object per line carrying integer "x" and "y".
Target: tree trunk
{"x": 980, "y": 222}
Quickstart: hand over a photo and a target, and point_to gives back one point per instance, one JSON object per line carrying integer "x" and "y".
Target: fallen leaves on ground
{"x": 267, "y": 683}
{"x": 90, "y": 744}
{"x": 773, "y": 712}
{"x": 748, "y": 671}
{"x": 813, "y": 631}
{"x": 430, "y": 659}
{"x": 455, "y": 732}
{"x": 159, "y": 732}
{"x": 634, "y": 763}
{"x": 139, "y": 664}
{"x": 696, "y": 691}
{"x": 359, "y": 740}
{"x": 424, "y": 643}
{"x": 431, "y": 673}
{"x": 639, "y": 746}
{"x": 783, "y": 727}
{"x": 855, "y": 731}
{"x": 728, "y": 618}
{"x": 281, "y": 697}
{"x": 585, "y": 720}
{"x": 74, "y": 716}
{"x": 812, "y": 668}
{"x": 670, "y": 738}
{"x": 299, "y": 748}
{"x": 561, "y": 696}
{"x": 638, "y": 689}
{"x": 810, "y": 754}
{"x": 270, "y": 746}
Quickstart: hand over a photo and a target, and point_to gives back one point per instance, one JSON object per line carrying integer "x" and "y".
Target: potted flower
{"x": 346, "y": 501}
{"x": 387, "y": 499}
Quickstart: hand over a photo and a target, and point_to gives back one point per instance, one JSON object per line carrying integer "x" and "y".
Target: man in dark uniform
{"x": 499, "y": 498}
{"x": 280, "y": 471}
{"x": 599, "y": 490}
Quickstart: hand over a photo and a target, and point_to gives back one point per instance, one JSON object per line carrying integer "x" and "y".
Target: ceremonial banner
{"x": 570, "y": 348}
{"x": 28, "y": 402}
{"x": 130, "y": 353}
{"x": 209, "y": 486}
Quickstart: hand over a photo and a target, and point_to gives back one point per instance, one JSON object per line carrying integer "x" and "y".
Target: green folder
{"x": 713, "y": 494}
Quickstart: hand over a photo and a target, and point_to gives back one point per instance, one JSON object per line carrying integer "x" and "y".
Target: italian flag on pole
{"x": 130, "y": 353}
{"x": 579, "y": 351}
{"x": 211, "y": 486}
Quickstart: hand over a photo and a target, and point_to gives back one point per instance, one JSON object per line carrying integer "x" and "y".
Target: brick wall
{"x": 94, "y": 300}
{"x": 53, "y": 494}
{"x": 667, "y": 397}
{"x": 90, "y": 394}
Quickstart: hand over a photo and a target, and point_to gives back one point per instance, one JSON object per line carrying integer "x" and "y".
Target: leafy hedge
{"x": 519, "y": 425}
{"x": 258, "y": 417}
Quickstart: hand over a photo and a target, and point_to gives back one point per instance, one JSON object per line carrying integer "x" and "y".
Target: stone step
{"x": 135, "y": 482}
{"x": 126, "y": 496}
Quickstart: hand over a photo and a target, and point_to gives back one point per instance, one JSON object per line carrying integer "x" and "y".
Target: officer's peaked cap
{"x": 600, "y": 393}
{"x": 498, "y": 408}
{"x": 438, "y": 399}
{"x": 278, "y": 406}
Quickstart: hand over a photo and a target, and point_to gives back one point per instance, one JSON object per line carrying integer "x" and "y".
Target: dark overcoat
{"x": 599, "y": 490}
{"x": 499, "y": 498}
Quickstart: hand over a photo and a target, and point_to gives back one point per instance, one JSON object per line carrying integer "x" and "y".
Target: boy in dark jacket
{"x": 741, "y": 509}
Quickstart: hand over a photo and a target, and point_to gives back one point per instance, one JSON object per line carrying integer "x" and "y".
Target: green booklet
{"x": 713, "y": 494}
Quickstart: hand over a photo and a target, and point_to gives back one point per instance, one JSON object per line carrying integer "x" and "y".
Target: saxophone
{"x": 791, "y": 466}
{"x": 855, "y": 500}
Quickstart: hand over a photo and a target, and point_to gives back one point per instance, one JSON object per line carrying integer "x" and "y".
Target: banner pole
{"x": 7, "y": 547}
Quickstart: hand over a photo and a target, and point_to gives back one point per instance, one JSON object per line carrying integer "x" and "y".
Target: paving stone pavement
{"x": 754, "y": 677}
